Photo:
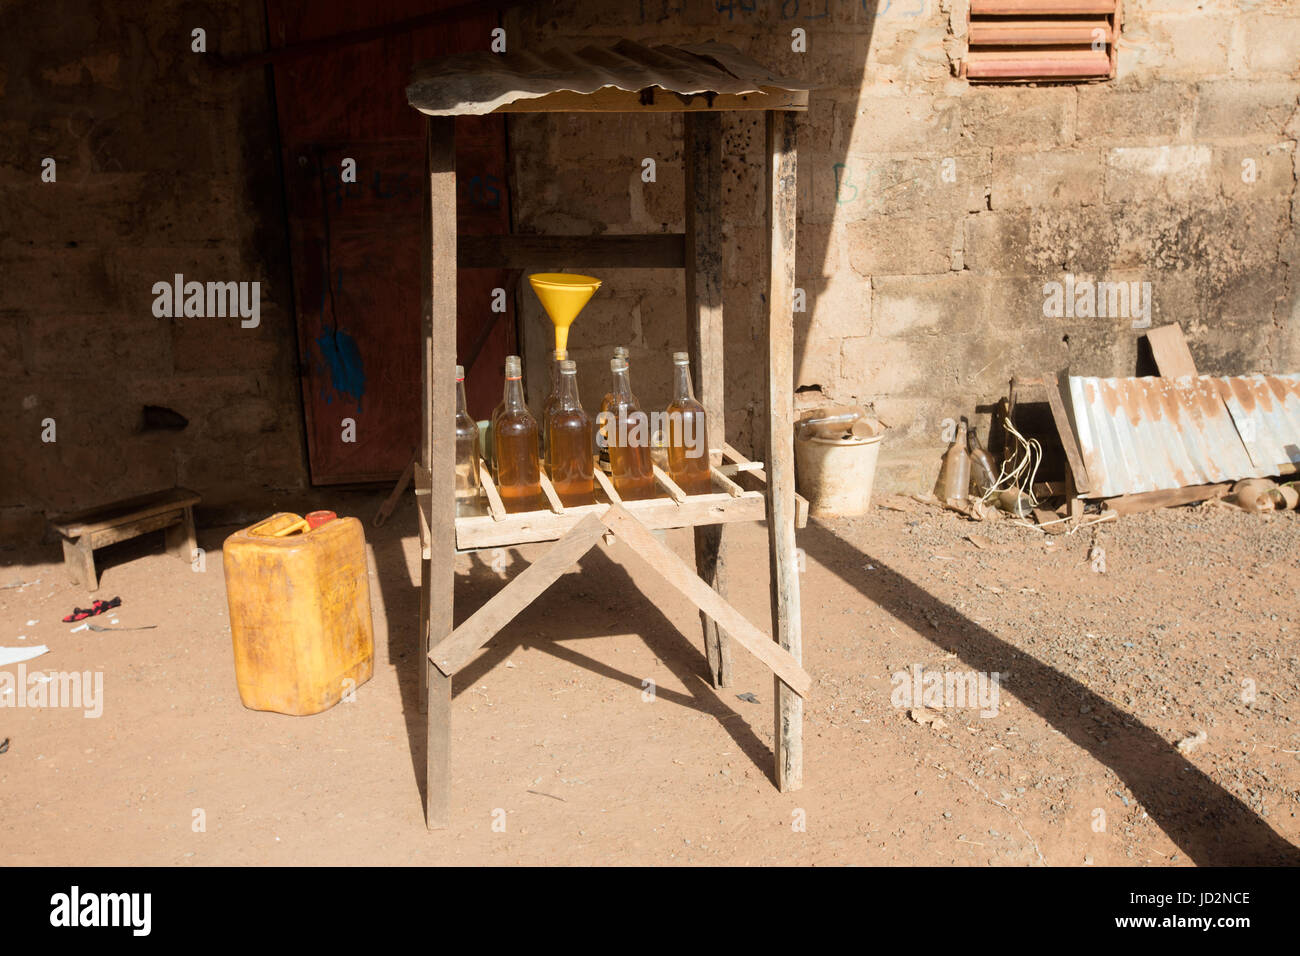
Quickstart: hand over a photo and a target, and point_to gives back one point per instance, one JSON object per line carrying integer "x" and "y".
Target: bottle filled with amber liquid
{"x": 514, "y": 433}
{"x": 603, "y": 445}
{"x": 467, "y": 453}
{"x": 688, "y": 443}
{"x": 627, "y": 430}
{"x": 571, "y": 464}
{"x": 558, "y": 356}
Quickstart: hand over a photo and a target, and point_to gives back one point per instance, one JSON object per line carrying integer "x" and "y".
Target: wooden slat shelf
{"x": 497, "y": 528}
{"x": 480, "y": 531}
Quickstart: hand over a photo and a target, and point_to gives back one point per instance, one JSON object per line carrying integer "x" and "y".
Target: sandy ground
{"x": 1190, "y": 629}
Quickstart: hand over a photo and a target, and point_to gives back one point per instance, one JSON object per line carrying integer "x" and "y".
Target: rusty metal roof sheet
{"x": 477, "y": 83}
{"x": 1153, "y": 434}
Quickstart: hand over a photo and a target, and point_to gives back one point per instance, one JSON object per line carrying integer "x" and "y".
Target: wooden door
{"x": 355, "y": 246}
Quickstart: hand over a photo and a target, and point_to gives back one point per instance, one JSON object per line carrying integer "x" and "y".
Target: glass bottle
{"x": 620, "y": 352}
{"x": 515, "y": 435}
{"x": 544, "y": 437}
{"x": 571, "y": 465}
{"x": 628, "y": 435}
{"x": 467, "y": 452}
{"x": 983, "y": 471}
{"x": 688, "y": 443}
{"x": 954, "y": 474}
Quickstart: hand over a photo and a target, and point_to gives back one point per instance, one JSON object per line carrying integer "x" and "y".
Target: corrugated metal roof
{"x": 469, "y": 84}
{"x": 1153, "y": 434}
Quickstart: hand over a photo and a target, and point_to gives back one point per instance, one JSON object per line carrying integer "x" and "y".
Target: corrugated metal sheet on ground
{"x": 477, "y": 83}
{"x": 1154, "y": 434}
{"x": 1266, "y": 410}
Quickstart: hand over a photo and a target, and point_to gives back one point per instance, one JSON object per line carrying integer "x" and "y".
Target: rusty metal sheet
{"x": 1266, "y": 411}
{"x": 480, "y": 82}
{"x": 1155, "y": 434}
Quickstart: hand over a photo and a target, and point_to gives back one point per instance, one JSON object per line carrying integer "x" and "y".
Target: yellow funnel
{"x": 563, "y": 296}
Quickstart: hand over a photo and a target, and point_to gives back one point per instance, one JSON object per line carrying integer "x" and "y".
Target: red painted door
{"x": 356, "y": 246}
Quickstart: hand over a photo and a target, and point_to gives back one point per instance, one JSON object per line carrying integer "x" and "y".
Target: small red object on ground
{"x": 99, "y": 607}
{"x": 317, "y": 518}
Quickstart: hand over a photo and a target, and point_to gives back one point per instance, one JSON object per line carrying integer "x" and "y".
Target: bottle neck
{"x": 557, "y": 357}
{"x": 682, "y": 389}
{"x": 513, "y": 399}
{"x": 462, "y": 406}
{"x": 568, "y": 393}
{"x": 621, "y": 390}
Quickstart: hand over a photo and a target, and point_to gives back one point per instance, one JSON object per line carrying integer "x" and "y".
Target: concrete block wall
{"x": 165, "y": 164}
{"x": 932, "y": 211}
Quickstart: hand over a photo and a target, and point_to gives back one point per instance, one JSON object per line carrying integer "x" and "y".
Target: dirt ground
{"x": 1190, "y": 629}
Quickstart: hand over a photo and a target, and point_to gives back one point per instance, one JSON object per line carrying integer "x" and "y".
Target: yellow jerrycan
{"x": 299, "y": 600}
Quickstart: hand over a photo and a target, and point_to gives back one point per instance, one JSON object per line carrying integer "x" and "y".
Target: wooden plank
{"x": 789, "y": 674}
{"x": 496, "y": 507}
{"x": 399, "y": 489}
{"x": 133, "y": 528}
{"x": 732, "y": 488}
{"x": 780, "y": 196}
{"x": 181, "y": 539}
{"x": 1032, "y": 63}
{"x": 704, "y": 330}
{"x": 476, "y": 532}
{"x": 606, "y": 485}
{"x": 1153, "y": 500}
{"x": 455, "y": 650}
{"x": 89, "y": 520}
{"x": 1039, "y": 32}
{"x": 439, "y": 452}
{"x": 743, "y": 466}
{"x": 553, "y": 499}
{"x": 1065, "y": 429}
{"x": 1169, "y": 349}
{"x": 79, "y": 562}
{"x": 652, "y": 251}
{"x": 1049, "y": 521}
{"x": 426, "y": 545}
{"x": 667, "y": 484}
{"x": 979, "y": 8}
{"x": 654, "y": 100}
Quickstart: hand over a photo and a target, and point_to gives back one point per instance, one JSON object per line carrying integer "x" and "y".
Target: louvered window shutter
{"x": 1046, "y": 40}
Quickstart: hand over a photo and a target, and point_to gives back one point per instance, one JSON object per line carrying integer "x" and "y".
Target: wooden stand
{"x": 699, "y": 251}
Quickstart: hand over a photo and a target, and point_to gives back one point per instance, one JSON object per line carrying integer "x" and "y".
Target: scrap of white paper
{"x": 16, "y": 655}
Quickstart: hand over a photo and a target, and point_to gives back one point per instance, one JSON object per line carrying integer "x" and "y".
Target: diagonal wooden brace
{"x": 454, "y": 651}
{"x": 682, "y": 577}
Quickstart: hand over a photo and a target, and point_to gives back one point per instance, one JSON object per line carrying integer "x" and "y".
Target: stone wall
{"x": 165, "y": 164}
{"x": 933, "y": 211}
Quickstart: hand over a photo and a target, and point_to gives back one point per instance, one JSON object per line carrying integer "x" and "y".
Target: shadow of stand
{"x": 566, "y": 601}
{"x": 1210, "y": 825}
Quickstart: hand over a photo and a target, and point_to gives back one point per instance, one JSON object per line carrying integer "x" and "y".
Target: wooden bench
{"x": 85, "y": 531}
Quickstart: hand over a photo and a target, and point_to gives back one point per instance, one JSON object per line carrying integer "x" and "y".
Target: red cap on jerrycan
{"x": 317, "y": 518}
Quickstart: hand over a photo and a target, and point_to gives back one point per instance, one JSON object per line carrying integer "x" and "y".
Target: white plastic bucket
{"x": 836, "y": 474}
